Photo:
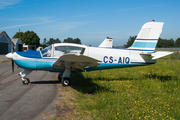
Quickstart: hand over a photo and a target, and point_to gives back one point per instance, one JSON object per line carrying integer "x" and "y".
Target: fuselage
{"x": 109, "y": 57}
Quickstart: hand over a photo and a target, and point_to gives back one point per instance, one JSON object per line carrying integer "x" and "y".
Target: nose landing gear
{"x": 26, "y": 81}
{"x": 23, "y": 75}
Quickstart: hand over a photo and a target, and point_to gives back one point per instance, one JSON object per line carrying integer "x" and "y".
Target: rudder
{"x": 148, "y": 37}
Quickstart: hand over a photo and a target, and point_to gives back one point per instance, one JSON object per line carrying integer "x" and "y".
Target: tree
{"x": 71, "y": 40}
{"x": 68, "y": 40}
{"x": 50, "y": 42}
{"x": 130, "y": 41}
{"x": 17, "y": 35}
{"x": 29, "y": 38}
{"x": 77, "y": 41}
{"x": 171, "y": 43}
{"x": 44, "y": 43}
{"x": 177, "y": 42}
{"x": 165, "y": 43}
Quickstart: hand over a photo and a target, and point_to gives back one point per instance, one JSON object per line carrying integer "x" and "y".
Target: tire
{"x": 26, "y": 81}
{"x": 66, "y": 81}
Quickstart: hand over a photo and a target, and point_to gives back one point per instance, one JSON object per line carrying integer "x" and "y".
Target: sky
{"x": 89, "y": 20}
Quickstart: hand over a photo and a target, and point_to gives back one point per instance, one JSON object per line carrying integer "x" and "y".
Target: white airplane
{"x": 107, "y": 43}
{"x": 66, "y": 58}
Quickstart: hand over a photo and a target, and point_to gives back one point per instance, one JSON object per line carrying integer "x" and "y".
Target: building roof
{"x": 16, "y": 40}
{"x": 1, "y": 32}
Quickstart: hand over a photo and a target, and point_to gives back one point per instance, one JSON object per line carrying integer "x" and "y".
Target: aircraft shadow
{"x": 162, "y": 78}
{"x": 85, "y": 85}
{"x": 46, "y": 82}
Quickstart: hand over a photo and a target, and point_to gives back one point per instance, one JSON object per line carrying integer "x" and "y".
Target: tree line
{"x": 162, "y": 43}
{"x": 28, "y": 37}
{"x": 52, "y": 41}
{"x": 31, "y": 38}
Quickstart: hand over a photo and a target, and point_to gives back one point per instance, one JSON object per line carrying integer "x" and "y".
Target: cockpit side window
{"x": 60, "y": 50}
{"x": 46, "y": 52}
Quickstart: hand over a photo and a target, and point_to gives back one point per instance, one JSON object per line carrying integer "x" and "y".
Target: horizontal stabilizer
{"x": 160, "y": 54}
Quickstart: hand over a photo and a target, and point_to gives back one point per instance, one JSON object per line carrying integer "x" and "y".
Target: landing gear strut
{"x": 59, "y": 77}
{"x": 23, "y": 75}
{"x": 65, "y": 79}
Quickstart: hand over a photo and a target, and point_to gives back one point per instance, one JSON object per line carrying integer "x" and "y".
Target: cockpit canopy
{"x": 60, "y": 50}
{"x": 46, "y": 52}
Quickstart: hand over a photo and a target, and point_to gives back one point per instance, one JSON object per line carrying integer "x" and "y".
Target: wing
{"x": 76, "y": 61}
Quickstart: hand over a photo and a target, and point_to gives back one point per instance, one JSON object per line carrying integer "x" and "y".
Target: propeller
{"x": 12, "y": 65}
{"x": 12, "y": 61}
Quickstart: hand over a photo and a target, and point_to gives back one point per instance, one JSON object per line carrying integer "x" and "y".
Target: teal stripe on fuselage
{"x": 47, "y": 65}
{"x": 36, "y": 65}
{"x": 112, "y": 66}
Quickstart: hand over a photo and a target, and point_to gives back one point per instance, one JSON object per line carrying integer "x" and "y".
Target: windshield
{"x": 46, "y": 52}
{"x": 60, "y": 50}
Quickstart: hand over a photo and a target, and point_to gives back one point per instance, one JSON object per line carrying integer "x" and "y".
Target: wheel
{"x": 66, "y": 81}
{"x": 26, "y": 81}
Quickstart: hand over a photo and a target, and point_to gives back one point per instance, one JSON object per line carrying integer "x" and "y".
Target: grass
{"x": 175, "y": 55}
{"x": 5, "y": 61}
{"x": 146, "y": 92}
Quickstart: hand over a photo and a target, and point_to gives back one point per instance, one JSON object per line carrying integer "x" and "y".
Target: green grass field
{"x": 145, "y": 92}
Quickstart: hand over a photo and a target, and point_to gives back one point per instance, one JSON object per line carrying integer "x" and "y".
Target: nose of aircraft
{"x": 9, "y": 55}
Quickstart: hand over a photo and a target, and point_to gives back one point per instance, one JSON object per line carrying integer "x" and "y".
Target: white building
{"x": 5, "y": 43}
{"x": 29, "y": 47}
{"x": 18, "y": 46}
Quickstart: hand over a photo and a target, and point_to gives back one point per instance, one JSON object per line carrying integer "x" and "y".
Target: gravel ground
{"x": 19, "y": 102}
{"x": 3, "y": 58}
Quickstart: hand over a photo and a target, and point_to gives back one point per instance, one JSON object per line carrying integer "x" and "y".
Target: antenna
{"x": 19, "y": 33}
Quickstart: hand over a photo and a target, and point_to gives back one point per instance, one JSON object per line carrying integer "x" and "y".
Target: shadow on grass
{"x": 86, "y": 86}
{"x": 162, "y": 78}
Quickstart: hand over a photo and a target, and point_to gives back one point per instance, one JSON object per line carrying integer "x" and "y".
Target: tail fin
{"x": 108, "y": 42}
{"x": 148, "y": 36}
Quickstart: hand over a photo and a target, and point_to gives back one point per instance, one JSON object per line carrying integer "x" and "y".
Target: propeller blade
{"x": 12, "y": 66}
{"x": 12, "y": 61}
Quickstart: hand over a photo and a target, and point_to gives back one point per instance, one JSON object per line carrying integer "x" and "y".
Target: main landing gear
{"x": 65, "y": 81}
{"x": 23, "y": 75}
